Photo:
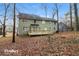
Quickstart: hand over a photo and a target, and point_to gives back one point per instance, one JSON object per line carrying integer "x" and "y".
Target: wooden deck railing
{"x": 40, "y": 32}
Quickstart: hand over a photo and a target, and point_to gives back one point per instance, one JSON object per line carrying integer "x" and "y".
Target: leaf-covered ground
{"x": 66, "y": 43}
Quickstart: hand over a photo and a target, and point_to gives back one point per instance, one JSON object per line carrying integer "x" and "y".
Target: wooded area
{"x": 65, "y": 41}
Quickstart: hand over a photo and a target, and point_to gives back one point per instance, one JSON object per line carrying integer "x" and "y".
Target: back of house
{"x": 35, "y": 25}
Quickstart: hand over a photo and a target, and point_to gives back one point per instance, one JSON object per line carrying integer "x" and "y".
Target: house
{"x": 63, "y": 27}
{"x": 30, "y": 24}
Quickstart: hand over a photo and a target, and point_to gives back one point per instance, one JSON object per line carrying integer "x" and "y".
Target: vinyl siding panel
{"x": 48, "y": 26}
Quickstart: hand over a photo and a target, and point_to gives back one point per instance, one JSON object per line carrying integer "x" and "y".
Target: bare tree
{"x": 14, "y": 7}
{"x": 57, "y": 13}
{"x": 6, "y": 6}
{"x": 71, "y": 16}
{"x": 76, "y": 16}
{"x": 53, "y": 13}
{"x": 44, "y": 7}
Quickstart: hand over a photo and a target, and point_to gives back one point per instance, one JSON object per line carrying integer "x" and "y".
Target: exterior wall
{"x": 44, "y": 26}
{"x": 23, "y": 24}
{"x": 47, "y": 26}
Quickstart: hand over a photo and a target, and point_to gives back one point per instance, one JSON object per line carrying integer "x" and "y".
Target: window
{"x": 25, "y": 29}
{"x": 43, "y": 22}
{"x": 34, "y": 21}
{"x": 55, "y": 23}
{"x": 34, "y": 27}
{"x": 24, "y": 20}
{"x": 54, "y": 28}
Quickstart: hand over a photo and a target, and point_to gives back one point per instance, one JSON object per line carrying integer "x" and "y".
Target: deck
{"x": 39, "y": 33}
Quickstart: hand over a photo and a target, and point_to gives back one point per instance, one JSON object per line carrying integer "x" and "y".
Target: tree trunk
{"x": 4, "y": 26}
{"x": 6, "y": 6}
{"x": 14, "y": 25}
{"x": 71, "y": 17}
{"x": 45, "y": 8}
{"x": 4, "y": 21}
{"x": 57, "y": 17}
{"x": 76, "y": 16}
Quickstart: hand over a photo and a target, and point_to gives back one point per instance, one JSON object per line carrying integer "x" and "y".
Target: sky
{"x": 37, "y": 8}
{"x": 34, "y": 8}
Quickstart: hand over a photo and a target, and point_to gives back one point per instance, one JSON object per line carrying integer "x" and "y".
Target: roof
{"x": 34, "y": 17}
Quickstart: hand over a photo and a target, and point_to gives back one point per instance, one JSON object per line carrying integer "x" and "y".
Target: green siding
{"x": 24, "y": 24}
{"x": 42, "y": 26}
{"x": 49, "y": 25}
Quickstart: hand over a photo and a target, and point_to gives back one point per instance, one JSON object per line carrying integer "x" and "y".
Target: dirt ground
{"x": 59, "y": 44}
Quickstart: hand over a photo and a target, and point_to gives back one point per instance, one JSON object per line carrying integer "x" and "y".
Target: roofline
{"x": 36, "y": 19}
